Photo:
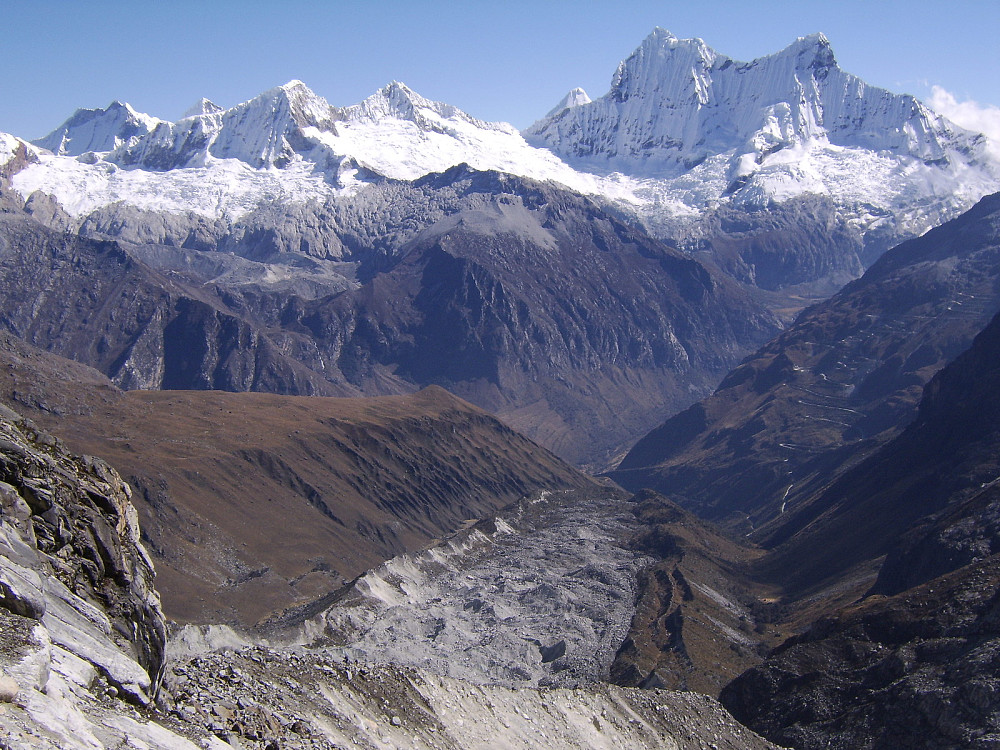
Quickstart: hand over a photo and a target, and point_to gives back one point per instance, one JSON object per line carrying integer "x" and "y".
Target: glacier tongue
{"x": 543, "y": 596}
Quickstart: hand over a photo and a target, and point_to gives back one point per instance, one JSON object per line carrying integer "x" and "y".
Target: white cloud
{"x": 968, "y": 114}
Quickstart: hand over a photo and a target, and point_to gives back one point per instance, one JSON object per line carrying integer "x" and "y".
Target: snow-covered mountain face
{"x": 99, "y": 130}
{"x": 682, "y": 130}
{"x": 701, "y": 128}
{"x": 675, "y": 102}
{"x": 287, "y": 145}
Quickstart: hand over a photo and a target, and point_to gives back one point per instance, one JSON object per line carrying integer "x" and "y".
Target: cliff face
{"x": 73, "y": 574}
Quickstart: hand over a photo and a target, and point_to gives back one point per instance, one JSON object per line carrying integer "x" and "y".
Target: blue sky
{"x": 508, "y": 60}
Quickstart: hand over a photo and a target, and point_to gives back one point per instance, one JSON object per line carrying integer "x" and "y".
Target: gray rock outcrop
{"x": 71, "y": 563}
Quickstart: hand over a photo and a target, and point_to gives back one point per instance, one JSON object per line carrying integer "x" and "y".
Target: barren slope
{"x": 254, "y": 502}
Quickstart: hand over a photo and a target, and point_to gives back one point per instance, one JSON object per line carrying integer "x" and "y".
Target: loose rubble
{"x": 540, "y": 597}
{"x": 260, "y": 698}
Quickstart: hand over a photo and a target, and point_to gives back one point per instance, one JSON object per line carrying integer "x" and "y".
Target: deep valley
{"x": 668, "y": 421}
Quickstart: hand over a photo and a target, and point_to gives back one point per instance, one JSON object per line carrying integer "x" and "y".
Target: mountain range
{"x": 785, "y": 175}
{"x": 682, "y": 129}
{"x": 778, "y": 127}
{"x": 760, "y": 296}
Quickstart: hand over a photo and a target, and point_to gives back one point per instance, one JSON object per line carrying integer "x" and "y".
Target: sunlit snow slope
{"x": 683, "y": 128}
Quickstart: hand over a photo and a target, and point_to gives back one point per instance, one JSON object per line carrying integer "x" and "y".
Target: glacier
{"x": 683, "y": 129}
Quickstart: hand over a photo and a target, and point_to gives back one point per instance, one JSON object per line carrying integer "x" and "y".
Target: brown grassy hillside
{"x": 255, "y": 502}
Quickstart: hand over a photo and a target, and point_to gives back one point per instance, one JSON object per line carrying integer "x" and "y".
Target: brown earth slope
{"x": 700, "y": 617}
{"x": 256, "y": 502}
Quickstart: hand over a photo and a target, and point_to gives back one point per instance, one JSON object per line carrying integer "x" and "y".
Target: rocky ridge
{"x": 73, "y": 563}
{"x": 79, "y": 614}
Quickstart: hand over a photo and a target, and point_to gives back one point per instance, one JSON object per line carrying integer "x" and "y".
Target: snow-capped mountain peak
{"x": 681, "y": 128}
{"x": 816, "y": 42}
{"x": 98, "y": 130}
{"x": 657, "y": 62}
{"x": 291, "y": 105}
{"x": 574, "y": 98}
{"x": 399, "y": 102}
{"x": 202, "y": 107}
{"x": 676, "y": 102}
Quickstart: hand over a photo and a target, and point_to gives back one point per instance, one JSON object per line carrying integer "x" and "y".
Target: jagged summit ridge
{"x": 288, "y": 144}
{"x": 675, "y": 102}
{"x": 270, "y": 130}
{"x": 265, "y": 131}
{"x": 399, "y": 101}
{"x": 98, "y": 130}
{"x": 682, "y": 129}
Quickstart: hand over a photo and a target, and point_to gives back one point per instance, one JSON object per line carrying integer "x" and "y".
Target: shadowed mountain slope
{"x": 528, "y": 300}
{"x": 833, "y": 387}
{"x": 919, "y": 669}
{"x": 537, "y": 305}
{"x": 916, "y": 662}
{"x": 89, "y": 300}
{"x": 256, "y": 502}
{"x": 935, "y": 482}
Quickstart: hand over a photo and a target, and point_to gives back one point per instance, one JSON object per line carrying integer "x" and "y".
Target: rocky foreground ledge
{"x": 79, "y": 616}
